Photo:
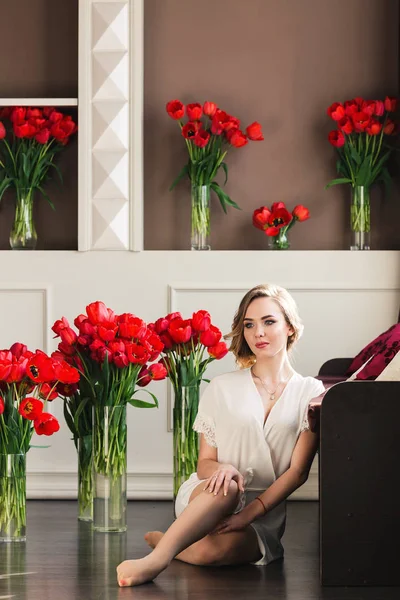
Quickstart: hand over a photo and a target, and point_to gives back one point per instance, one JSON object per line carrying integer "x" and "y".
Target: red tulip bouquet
{"x": 276, "y": 221}
{"x": 30, "y": 139}
{"x": 363, "y": 141}
{"x": 189, "y": 347}
{"x": 28, "y": 381}
{"x": 110, "y": 352}
{"x": 209, "y": 133}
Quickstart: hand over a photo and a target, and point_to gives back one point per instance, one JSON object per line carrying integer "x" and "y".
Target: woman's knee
{"x": 208, "y": 552}
{"x": 231, "y": 493}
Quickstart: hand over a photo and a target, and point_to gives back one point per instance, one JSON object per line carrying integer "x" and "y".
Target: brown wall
{"x": 281, "y": 62}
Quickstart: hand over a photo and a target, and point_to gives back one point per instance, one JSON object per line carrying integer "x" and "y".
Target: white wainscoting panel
{"x": 24, "y": 316}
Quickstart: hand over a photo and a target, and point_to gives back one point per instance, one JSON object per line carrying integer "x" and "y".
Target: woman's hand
{"x": 237, "y": 522}
{"x": 222, "y": 478}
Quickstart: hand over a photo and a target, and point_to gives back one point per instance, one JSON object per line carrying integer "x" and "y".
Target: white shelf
{"x": 38, "y": 101}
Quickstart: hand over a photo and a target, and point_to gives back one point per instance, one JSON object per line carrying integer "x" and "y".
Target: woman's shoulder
{"x": 308, "y": 384}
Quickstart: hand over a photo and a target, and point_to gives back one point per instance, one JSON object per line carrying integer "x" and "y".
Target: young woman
{"x": 255, "y": 450}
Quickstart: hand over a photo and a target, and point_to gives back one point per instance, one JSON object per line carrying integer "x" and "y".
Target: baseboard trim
{"x": 48, "y": 485}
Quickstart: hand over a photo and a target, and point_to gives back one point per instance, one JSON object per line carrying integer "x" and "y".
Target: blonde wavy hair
{"x": 243, "y": 355}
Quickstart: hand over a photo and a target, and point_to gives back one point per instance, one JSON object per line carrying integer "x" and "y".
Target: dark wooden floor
{"x": 64, "y": 560}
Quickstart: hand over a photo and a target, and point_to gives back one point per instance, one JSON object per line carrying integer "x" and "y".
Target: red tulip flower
{"x": 30, "y": 408}
{"x": 180, "y": 330}
{"x": 40, "y": 368}
{"x": 261, "y": 217}
{"x": 65, "y": 373}
{"x": 301, "y": 213}
{"x": 46, "y": 424}
{"x": 190, "y": 130}
{"x": 361, "y": 120}
{"x": 201, "y": 138}
{"x": 254, "y": 132}
{"x": 336, "y": 138}
{"x": 143, "y": 377}
{"x": 66, "y": 389}
{"x": 211, "y": 336}
{"x": 98, "y": 312}
{"x": 194, "y": 111}
{"x": 336, "y": 111}
{"x": 389, "y": 127}
{"x": 279, "y": 218}
{"x": 390, "y": 103}
{"x": 48, "y": 391}
{"x": 374, "y": 127}
{"x": 218, "y": 351}
{"x": 238, "y": 139}
{"x": 157, "y": 371}
{"x": 379, "y": 108}
{"x": 137, "y": 353}
{"x": 18, "y": 349}
{"x": 161, "y": 325}
{"x": 18, "y": 370}
{"x": 68, "y": 336}
{"x": 2, "y": 405}
{"x": 175, "y": 109}
{"x": 201, "y": 320}
{"x": 209, "y": 109}
{"x": 346, "y": 125}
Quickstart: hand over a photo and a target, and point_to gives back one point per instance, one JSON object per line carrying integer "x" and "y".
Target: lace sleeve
{"x": 206, "y": 427}
{"x": 305, "y": 426}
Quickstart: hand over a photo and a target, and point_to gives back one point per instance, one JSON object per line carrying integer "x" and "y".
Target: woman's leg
{"x": 227, "y": 549}
{"x": 200, "y": 517}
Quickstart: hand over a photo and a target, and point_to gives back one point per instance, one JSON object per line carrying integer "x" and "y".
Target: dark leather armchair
{"x": 359, "y": 478}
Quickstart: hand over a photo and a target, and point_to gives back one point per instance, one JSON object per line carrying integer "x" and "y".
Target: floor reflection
{"x": 14, "y": 576}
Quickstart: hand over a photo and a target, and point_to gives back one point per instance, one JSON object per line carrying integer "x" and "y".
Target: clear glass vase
{"x": 279, "y": 242}
{"x": 360, "y": 218}
{"x": 186, "y": 441}
{"x": 109, "y": 468}
{"x": 12, "y": 497}
{"x": 23, "y": 234}
{"x": 85, "y": 478}
{"x": 200, "y": 238}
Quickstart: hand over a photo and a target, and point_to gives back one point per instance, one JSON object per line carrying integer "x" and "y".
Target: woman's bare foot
{"x": 153, "y": 537}
{"x": 136, "y": 572}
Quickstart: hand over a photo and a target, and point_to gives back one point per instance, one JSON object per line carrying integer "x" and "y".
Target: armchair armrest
{"x": 335, "y": 366}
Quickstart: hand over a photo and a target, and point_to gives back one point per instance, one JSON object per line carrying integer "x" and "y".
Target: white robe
{"x": 231, "y": 415}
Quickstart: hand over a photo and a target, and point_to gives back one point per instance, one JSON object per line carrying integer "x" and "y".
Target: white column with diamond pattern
{"x": 106, "y": 208}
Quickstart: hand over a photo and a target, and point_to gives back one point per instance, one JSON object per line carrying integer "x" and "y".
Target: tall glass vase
{"x": 85, "y": 478}
{"x": 200, "y": 239}
{"x": 360, "y": 218}
{"x": 186, "y": 441}
{"x": 109, "y": 468}
{"x": 23, "y": 233}
{"x": 12, "y": 497}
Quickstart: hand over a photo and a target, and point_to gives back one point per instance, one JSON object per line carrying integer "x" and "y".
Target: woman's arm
{"x": 207, "y": 463}
{"x": 218, "y": 475}
{"x": 288, "y": 482}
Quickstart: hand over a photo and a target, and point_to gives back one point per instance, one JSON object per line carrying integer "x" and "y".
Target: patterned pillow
{"x": 383, "y": 349}
{"x": 369, "y": 350}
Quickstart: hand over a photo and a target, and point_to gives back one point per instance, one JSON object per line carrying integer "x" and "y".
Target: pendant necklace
{"x": 271, "y": 394}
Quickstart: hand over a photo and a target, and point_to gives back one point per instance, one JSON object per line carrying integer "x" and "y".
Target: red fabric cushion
{"x": 369, "y": 351}
{"x": 383, "y": 349}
